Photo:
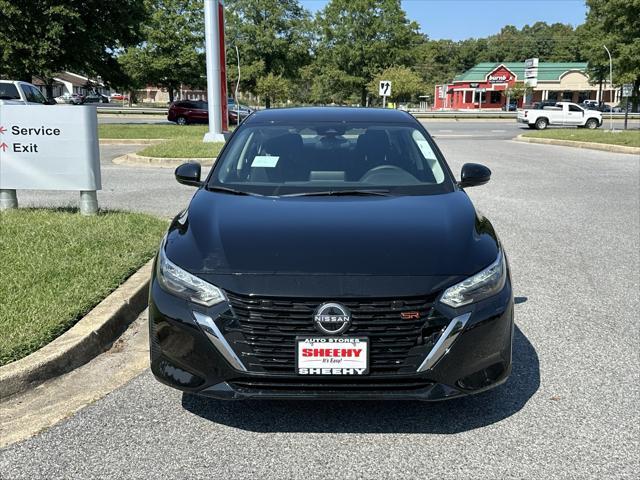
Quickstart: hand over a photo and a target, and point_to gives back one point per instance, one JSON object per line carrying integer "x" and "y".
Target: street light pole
{"x": 212, "y": 48}
{"x": 238, "y": 86}
{"x": 610, "y": 87}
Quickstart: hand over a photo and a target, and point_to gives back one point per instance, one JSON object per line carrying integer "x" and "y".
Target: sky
{"x": 461, "y": 19}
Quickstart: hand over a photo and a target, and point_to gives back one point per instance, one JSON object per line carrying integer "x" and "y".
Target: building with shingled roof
{"x": 487, "y": 85}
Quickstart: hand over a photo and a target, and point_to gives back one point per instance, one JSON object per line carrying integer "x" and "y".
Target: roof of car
{"x": 331, "y": 114}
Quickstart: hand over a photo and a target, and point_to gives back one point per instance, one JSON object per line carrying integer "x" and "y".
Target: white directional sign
{"x": 49, "y": 147}
{"x": 385, "y": 88}
{"x": 531, "y": 72}
{"x": 627, "y": 90}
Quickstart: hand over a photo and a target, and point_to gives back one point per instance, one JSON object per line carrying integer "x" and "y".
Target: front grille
{"x": 269, "y": 327}
{"x": 310, "y": 384}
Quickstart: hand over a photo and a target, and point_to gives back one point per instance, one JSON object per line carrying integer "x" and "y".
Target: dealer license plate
{"x": 332, "y": 356}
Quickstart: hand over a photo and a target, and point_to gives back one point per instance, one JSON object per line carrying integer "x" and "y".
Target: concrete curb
{"x": 92, "y": 335}
{"x": 132, "y": 141}
{"x": 136, "y": 160}
{"x": 589, "y": 145}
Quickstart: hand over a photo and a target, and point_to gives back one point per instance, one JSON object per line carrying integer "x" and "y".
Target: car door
{"x": 554, "y": 114}
{"x": 200, "y": 112}
{"x": 186, "y": 109}
{"x": 33, "y": 95}
{"x": 573, "y": 115}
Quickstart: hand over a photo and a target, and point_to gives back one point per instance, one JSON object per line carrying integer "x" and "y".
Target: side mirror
{"x": 189, "y": 174}
{"x": 473, "y": 175}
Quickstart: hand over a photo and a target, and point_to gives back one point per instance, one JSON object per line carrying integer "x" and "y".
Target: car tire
{"x": 592, "y": 124}
{"x": 542, "y": 123}
{"x": 181, "y": 121}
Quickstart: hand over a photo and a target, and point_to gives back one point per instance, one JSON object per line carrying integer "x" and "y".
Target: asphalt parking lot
{"x": 569, "y": 220}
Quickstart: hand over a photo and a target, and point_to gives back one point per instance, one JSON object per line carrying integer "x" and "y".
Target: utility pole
{"x": 610, "y": 87}
{"x": 238, "y": 86}
{"x": 212, "y": 47}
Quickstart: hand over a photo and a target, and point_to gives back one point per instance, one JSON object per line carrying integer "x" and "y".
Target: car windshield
{"x": 8, "y": 91}
{"x": 331, "y": 158}
{"x": 236, "y": 106}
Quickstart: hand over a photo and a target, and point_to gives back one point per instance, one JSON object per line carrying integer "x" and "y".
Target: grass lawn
{"x": 57, "y": 265}
{"x": 114, "y": 130}
{"x": 183, "y": 148}
{"x": 629, "y": 138}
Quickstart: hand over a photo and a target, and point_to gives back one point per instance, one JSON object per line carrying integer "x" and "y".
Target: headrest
{"x": 374, "y": 141}
{"x": 287, "y": 144}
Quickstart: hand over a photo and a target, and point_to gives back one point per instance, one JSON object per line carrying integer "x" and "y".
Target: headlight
{"x": 182, "y": 284}
{"x": 482, "y": 285}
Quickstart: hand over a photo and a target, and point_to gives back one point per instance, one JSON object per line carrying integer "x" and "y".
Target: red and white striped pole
{"x": 216, "y": 70}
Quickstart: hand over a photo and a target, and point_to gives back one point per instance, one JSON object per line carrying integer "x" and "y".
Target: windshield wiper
{"x": 232, "y": 191}
{"x": 338, "y": 193}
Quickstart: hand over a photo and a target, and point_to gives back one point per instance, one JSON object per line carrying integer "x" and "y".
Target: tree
{"x": 274, "y": 87}
{"x": 618, "y": 20}
{"x": 328, "y": 85}
{"x": 273, "y": 38}
{"x": 360, "y": 38}
{"x": 515, "y": 92}
{"x": 592, "y": 37}
{"x": 406, "y": 84}
{"x": 550, "y": 43}
{"x": 438, "y": 61}
{"x": 41, "y": 37}
{"x": 172, "y": 53}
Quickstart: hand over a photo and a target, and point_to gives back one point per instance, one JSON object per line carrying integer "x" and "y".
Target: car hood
{"x": 430, "y": 235}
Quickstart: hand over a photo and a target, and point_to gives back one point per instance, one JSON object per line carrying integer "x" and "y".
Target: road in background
{"x": 143, "y": 189}
{"x": 495, "y": 129}
{"x": 134, "y": 119}
{"x": 569, "y": 221}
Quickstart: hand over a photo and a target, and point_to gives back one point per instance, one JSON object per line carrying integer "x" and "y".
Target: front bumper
{"x": 200, "y": 356}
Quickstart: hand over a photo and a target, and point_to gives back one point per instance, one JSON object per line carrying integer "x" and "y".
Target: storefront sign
{"x": 501, "y": 78}
{"x": 49, "y": 147}
{"x": 531, "y": 72}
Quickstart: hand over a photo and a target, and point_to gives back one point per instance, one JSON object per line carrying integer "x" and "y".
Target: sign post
{"x": 49, "y": 148}
{"x": 610, "y": 88}
{"x": 385, "y": 91}
{"x": 627, "y": 91}
{"x": 8, "y": 199}
{"x": 480, "y": 93}
{"x": 530, "y": 75}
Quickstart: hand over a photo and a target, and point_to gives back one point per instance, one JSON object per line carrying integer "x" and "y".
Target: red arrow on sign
{"x": 4, "y": 146}
{"x": 2, "y": 129}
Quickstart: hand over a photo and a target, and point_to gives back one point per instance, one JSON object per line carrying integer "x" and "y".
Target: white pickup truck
{"x": 561, "y": 114}
{"x": 20, "y": 93}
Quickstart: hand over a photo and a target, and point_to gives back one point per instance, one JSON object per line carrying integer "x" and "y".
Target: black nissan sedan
{"x": 330, "y": 253}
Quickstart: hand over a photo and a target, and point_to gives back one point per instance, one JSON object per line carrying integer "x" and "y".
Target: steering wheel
{"x": 386, "y": 170}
